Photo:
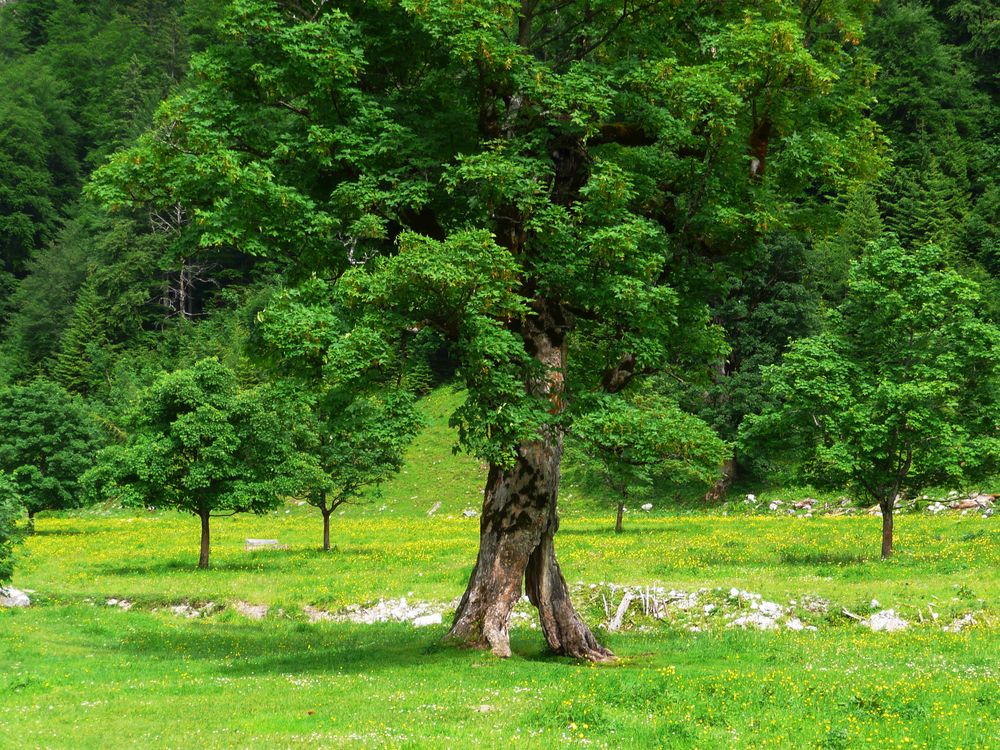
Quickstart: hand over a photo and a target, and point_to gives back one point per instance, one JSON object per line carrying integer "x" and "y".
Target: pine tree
{"x": 82, "y": 343}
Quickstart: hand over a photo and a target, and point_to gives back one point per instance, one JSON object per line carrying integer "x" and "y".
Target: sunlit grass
{"x": 76, "y": 673}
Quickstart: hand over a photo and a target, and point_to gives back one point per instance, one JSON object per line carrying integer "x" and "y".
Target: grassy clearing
{"x": 77, "y": 673}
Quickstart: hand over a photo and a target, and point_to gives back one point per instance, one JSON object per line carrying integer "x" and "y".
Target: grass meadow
{"x": 78, "y": 673}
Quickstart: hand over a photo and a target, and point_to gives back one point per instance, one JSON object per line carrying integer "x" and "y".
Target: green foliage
{"x": 900, "y": 391}
{"x": 10, "y": 511}
{"x": 473, "y": 171}
{"x": 198, "y": 443}
{"x": 357, "y": 445}
{"x": 628, "y": 444}
{"x": 48, "y": 439}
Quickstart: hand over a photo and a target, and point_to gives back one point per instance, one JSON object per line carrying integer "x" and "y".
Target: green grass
{"x": 75, "y": 673}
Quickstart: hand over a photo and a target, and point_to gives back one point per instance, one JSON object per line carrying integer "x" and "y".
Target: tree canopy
{"x": 48, "y": 439}
{"x": 900, "y": 391}
{"x": 199, "y": 443}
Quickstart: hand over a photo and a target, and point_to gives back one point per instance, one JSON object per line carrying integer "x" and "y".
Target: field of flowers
{"x": 734, "y": 627}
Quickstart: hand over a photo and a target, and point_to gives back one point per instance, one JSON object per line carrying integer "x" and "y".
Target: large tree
{"x": 530, "y": 179}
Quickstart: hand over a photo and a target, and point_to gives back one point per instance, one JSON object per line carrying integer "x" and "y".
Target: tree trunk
{"x": 618, "y": 520}
{"x": 517, "y": 528}
{"x": 203, "y": 558}
{"x": 31, "y": 522}
{"x": 887, "y": 509}
{"x": 326, "y": 529}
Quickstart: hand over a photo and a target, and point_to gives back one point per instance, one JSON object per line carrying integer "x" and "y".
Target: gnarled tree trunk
{"x": 518, "y": 526}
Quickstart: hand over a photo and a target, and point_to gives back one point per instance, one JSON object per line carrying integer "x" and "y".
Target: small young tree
{"x": 200, "y": 444}
{"x": 10, "y": 509}
{"x": 48, "y": 438}
{"x": 357, "y": 445}
{"x": 900, "y": 391}
{"x": 626, "y": 445}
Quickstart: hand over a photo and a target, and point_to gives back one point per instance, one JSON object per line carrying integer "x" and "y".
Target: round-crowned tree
{"x": 626, "y": 445}
{"x": 48, "y": 439}
{"x": 198, "y": 443}
{"x": 900, "y": 391}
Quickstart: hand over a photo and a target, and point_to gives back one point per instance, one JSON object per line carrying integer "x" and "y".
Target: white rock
{"x": 420, "y": 622}
{"x": 794, "y": 623}
{"x": 647, "y": 507}
{"x": 961, "y": 623}
{"x": 751, "y": 498}
{"x": 754, "y": 620}
{"x": 12, "y": 597}
{"x": 255, "y": 544}
{"x": 770, "y": 609}
{"x": 251, "y": 611}
{"x": 887, "y": 620}
{"x": 874, "y": 603}
{"x": 469, "y": 513}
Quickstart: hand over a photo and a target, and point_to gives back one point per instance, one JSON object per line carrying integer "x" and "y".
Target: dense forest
{"x": 706, "y": 241}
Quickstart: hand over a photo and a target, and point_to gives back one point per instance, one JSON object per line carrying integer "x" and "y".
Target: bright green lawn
{"x": 75, "y": 673}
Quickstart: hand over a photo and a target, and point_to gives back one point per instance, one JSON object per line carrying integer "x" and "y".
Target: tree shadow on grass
{"x": 819, "y": 557}
{"x": 41, "y": 531}
{"x": 296, "y": 648}
{"x": 259, "y": 561}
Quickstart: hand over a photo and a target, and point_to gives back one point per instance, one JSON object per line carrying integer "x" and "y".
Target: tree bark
{"x": 326, "y": 529}
{"x": 618, "y": 520}
{"x": 31, "y": 522}
{"x": 887, "y": 509}
{"x": 205, "y": 539}
{"x": 517, "y": 530}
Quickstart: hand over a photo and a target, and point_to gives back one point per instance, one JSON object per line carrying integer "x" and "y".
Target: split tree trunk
{"x": 205, "y": 539}
{"x": 517, "y": 530}
{"x": 887, "y": 509}
{"x": 618, "y": 520}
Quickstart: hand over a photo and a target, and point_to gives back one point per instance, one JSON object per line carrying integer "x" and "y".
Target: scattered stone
{"x": 936, "y": 507}
{"x": 754, "y": 620}
{"x": 807, "y": 503}
{"x": 751, "y": 498}
{"x": 887, "y": 620}
{"x": 469, "y": 513}
{"x": 256, "y": 544}
{"x": 434, "y": 508}
{"x": 251, "y": 611}
{"x": 124, "y": 604}
{"x": 484, "y": 708}
{"x": 391, "y": 610}
{"x": 775, "y": 504}
{"x": 961, "y": 623}
{"x": 317, "y": 615}
{"x": 185, "y": 610}
{"x": 794, "y": 623}
{"x": 647, "y": 507}
{"x": 12, "y": 597}
{"x": 769, "y": 609}
{"x": 968, "y": 504}
{"x": 425, "y": 620}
